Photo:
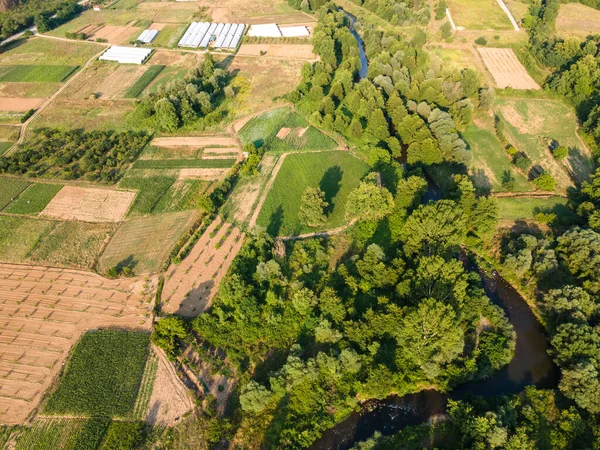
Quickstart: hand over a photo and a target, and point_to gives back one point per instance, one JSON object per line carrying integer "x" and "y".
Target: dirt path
{"x": 261, "y": 202}
{"x": 51, "y": 99}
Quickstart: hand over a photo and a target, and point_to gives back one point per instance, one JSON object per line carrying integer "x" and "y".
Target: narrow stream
{"x": 364, "y": 62}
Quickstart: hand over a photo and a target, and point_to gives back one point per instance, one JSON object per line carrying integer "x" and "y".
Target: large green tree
{"x": 312, "y": 207}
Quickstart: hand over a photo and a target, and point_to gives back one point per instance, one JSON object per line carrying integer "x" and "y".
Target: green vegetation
{"x": 50, "y": 52}
{"x": 123, "y": 436}
{"x": 19, "y": 236}
{"x": 46, "y": 14}
{"x": 10, "y": 188}
{"x": 528, "y": 207}
{"x": 336, "y": 173}
{"x": 73, "y": 434}
{"x": 262, "y": 132}
{"x": 146, "y": 386}
{"x": 37, "y": 74}
{"x": 4, "y": 146}
{"x": 150, "y": 191}
{"x": 479, "y": 15}
{"x": 34, "y": 199}
{"x": 98, "y": 155}
{"x": 102, "y": 376}
{"x": 142, "y": 82}
{"x": 183, "y": 163}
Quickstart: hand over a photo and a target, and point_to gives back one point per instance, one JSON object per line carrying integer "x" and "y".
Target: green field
{"x": 336, "y": 173}
{"x": 527, "y": 208}
{"x": 54, "y": 433}
{"x": 150, "y": 191}
{"x": 38, "y": 74}
{"x": 170, "y": 35}
{"x": 19, "y": 235}
{"x": 533, "y": 123}
{"x": 38, "y": 51}
{"x": 167, "y": 75}
{"x": 262, "y": 132}
{"x": 490, "y": 162}
{"x": 144, "y": 243}
{"x": 479, "y": 15}
{"x": 183, "y": 163}
{"x": 10, "y": 188}
{"x": 102, "y": 376}
{"x": 4, "y": 146}
{"x": 142, "y": 82}
{"x": 34, "y": 199}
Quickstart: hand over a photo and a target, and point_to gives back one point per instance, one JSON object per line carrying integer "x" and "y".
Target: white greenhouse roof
{"x": 147, "y": 36}
{"x": 220, "y": 35}
{"x": 299, "y": 31}
{"x": 126, "y": 55}
{"x": 264, "y": 30}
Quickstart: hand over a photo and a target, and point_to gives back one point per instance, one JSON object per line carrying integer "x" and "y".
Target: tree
{"x": 369, "y": 202}
{"x": 312, "y": 206}
{"x": 377, "y": 126}
{"x": 166, "y": 115}
{"x": 560, "y": 152}
{"x": 582, "y": 384}
{"x": 580, "y": 249}
{"x": 545, "y": 182}
{"x": 255, "y": 397}
{"x": 166, "y": 332}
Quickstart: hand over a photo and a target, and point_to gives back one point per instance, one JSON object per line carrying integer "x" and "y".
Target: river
{"x": 530, "y": 365}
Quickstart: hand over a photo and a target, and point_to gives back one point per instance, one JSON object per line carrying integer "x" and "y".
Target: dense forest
{"x": 96, "y": 155}
{"x": 38, "y": 12}
{"x": 185, "y": 102}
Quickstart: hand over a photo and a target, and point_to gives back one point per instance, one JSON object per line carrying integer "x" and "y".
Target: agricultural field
{"x": 19, "y": 236}
{"x": 4, "y": 146}
{"x": 46, "y": 433}
{"x": 48, "y": 52}
{"x": 10, "y": 189}
{"x": 283, "y": 130}
{"x": 532, "y": 126}
{"x": 265, "y": 11}
{"x": 43, "y": 311}
{"x": 577, "y": 20}
{"x": 102, "y": 376}
{"x": 478, "y": 15}
{"x": 491, "y": 162}
{"x": 143, "y": 244}
{"x": 34, "y": 199}
{"x": 190, "y": 286}
{"x": 506, "y": 69}
{"x": 336, "y": 173}
{"x": 289, "y": 52}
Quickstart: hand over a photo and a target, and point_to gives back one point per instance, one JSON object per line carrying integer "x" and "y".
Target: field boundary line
{"x": 450, "y": 19}
{"x": 509, "y": 14}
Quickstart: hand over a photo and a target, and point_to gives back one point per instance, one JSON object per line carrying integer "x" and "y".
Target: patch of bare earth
{"x": 195, "y": 141}
{"x": 190, "y": 285}
{"x": 157, "y": 26}
{"x": 89, "y": 204}
{"x": 283, "y": 133}
{"x": 170, "y": 398}
{"x": 301, "y": 52}
{"x": 202, "y": 174}
{"x": 506, "y": 69}
{"x": 43, "y": 312}
{"x": 115, "y": 34}
{"x": 20, "y": 104}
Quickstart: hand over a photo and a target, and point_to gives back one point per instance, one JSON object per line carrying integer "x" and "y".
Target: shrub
{"x": 522, "y": 161}
{"x": 545, "y": 182}
{"x": 560, "y": 152}
{"x": 25, "y": 117}
{"x": 481, "y": 41}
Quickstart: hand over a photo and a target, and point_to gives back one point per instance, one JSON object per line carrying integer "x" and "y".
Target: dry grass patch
{"x": 198, "y": 141}
{"x": 20, "y": 104}
{"x": 506, "y": 69}
{"x": 43, "y": 311}
{"x": 89, "y": 204}
{"x": 115, "y": 34}
{"x": 300, "y": 52}
{"x": 202, "y": 174}
{"x": 577, "y": 20}
{"x": 28, "y": 90}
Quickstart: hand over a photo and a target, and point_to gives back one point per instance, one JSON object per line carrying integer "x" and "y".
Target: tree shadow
{"x": 129, "y": 262}
{"x": 152, "y": 415}
{"x": 330, "y": 184}
{"x": 275, "y": 222}
{"x": 481, "y": 181}
{"x": 195, "y": 302}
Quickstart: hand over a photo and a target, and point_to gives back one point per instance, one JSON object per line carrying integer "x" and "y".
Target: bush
{"x": 481, "y": 41}
{"x": 25, "y": 117}
{"x": 560, "y": 152}
{"x": 522, "y": 161}
{"x": 545, "y": 182}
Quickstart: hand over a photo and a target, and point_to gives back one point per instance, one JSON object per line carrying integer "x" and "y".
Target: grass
{"x": 10, "y": 188}
{"x": 38, "y": 74}
{"x": 577, "y": 20}
{"x": 479, "y": 15}
{"x": 183, "y": 195}
{"x": 336, "y": 173}
{"x": 72, "y": 244}
{"x": 170, "y": 35}
{"x": 20, "y": 235}
{"x": 51, "y": 52}
{"x": 103, "y": 375}
{"x": 150, "y": 191}
{"x": 262, "y": 132}
{"x": 166, "y": 76}
{"x": 4, "y": 146}
{"x": 490, "y": 162}
{"x": 533, "y": 123}
{"x": 527, "y": 208}
{"x": 69, "y": 434}
{"x": 34, "y": 199}
{"x": 183, "y": 163}
{"x": 144, "y": 243}
{"x": 142, "y": 82}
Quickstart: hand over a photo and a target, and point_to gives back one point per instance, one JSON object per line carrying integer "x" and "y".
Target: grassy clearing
{"x": 51, "y": 52}
{"x": 479, "y": 15}
{"x": 490, "y": 162}
{"x": 102, "y": 376}
{"x": 142, "y": 83}
{"x": 38, "y": 74}
{"x": 336, "y": 173}
{"x": 533, "y": 123}
{"x": 10, "y": 188}
{"x": 19, "y": 236}
{"x": 72, "y": 244}
{"x": 170, "y": 35}
{"x": 4, "y": 146}
{"x": 34, "y": 199}
{"x": 150, "y": 191}
{"x": 262, "y": 132}
{"x": 144, "y": 243}
{"x": 145, "y": 392}
{"x": 527, "y": 208}
{"x": 577, "y": 20}
{"x": 183, "y": 163}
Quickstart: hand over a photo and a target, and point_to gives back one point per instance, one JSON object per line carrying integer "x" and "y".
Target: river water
{"x": 530, "y": 365}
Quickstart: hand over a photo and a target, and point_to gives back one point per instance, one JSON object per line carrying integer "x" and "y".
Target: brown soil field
{"x": 220, "y": 14}
{"x": 506, "y": 69}
{"x": 575, "y": 19}
{"x": 114, "y": 34}
{"x": 198, "y": 141}
{"x": 89, "y": 204}
{"x": 28, "y": 90}
{"x": 43, "y": 311}
{"x": 202, "y": 174}
{"x": 20, "y": 104}
{"x": 283, "y": 133}
{"x": 297, "y": 52}
{"x": 157, "y": 26}
{"x": 264, "y": 11}
{"x": 116, "y": 83}
{"x": 170, "y": 398}
{"x": 190, "y": 286}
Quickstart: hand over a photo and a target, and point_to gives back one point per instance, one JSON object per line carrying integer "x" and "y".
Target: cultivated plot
{"x": 43, "y": 311}
{"x": 89, "y": 204}
{"x": 506, "y": 69}
{"x": 190, "y": 286}
{"x": 479, "y": 15}
{"x": 300, "y": 52}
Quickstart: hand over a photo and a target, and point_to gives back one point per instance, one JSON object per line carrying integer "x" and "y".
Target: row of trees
{"x": 96, "y": 155}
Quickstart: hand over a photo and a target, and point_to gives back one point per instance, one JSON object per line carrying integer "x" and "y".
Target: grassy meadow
{"x": 37, "y": 74}
{"x": 337, "y": 173}
{"x": 527, "y": 208}
{"x": 479, "y": 15}
{"x": 34, "y": 199}
{"x": 10, "y": 189}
